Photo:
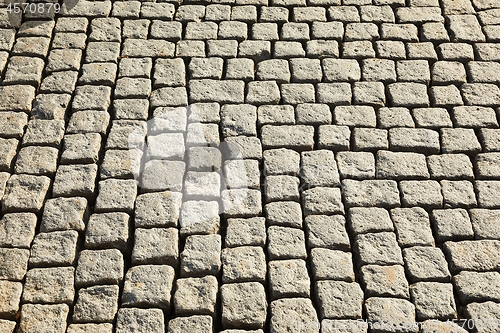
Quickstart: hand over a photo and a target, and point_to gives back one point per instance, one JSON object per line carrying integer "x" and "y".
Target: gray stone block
{"x": 201, "y": 255}
{"x": 484, "y": 313}
{"x": 97, "y": 304}
{"x": 56, "y": 248}
{"x": 408, "y": 94}
{"x": 13, "y": 126}
{"x": 64, "y": 214}
{"x": 389, "y": 281}
{"x": 379, "y": 70}
{"x": 356, "y": 165}
{"x": 238, "y": 120}
{"x": 116, "y": 195}
{"x": 138, "y": 320}
{"x": 371, "y": 139}
{"x": 425, "y": 263}
{"x": 11, "y": 297}
{"x": 329, "y": 264}
{"x": 285, "y": 243}
{"x": 378, "y": 249}
{"x": 243, "y": 264}
{"x": 318, "y": 168}
{"x": 483, "y": 223}
{"x": 477, "y": 287}
{"x": 433, "y": 300}
{"x": 423, "y": 193}
{"x": 455, "y": 224}
{"x": 246, "y": 232}
{"x": 8, "y": 148}
{"x": 81, "y": 148}
{"x": 371, "y": 193}
{"x": 341, "y": 70}
{"x": 148, "y": 285}
{"x": 205, "y": 90}
{"x": 156, "y": 246}
{"x": 17, "y": 230}
{"x": 284, "y": 213}
{"x": 373, "y": 219}
{"x": 281, "y": 161}
{"x": 90, "y": 328}
{"x": 487, "y": 165}
{"x": 478, "y": 255}
{"x": 327, "y": 232}
{"x": 399, "y": 165}
{"x": 88, "y": 122}
{"x": 160, "y": 209}
{"x": 49, "y": 285}
{"x": 450, "y": 166}
{"x": 334, "y": 137}
{"x": 107, "y": 230}
{"x": 192, "y": 323}
{"x": 355, "y": 116}
{"x": 392, "y": 314}
{"x": 44, "y": 133}
{"x": 458, "y": 194}
{"x": 412, "y": 226}
{"x": 322, "y": 200}
{"x": 13, "y": 264}
{"x": 244, "y": 305}
{"x": 339, "y": 299}
{"x": 486, "y": 193}
{"x": 204, "y": 159}
{"x": 414, "y": 140}
{"x": 490, "y": 139}
{"x": 91, "y": 98}
{"x": 281, "y": 188}
{"x": 474, "y": 117}
{"x": 313, "y": 114}
{"x": 294, "y": 314}
{"x": 189, "y": 300}
{"x": 241, "y": 202}
{"x": 99, "y": 267}
{"x": 43, "y": 318}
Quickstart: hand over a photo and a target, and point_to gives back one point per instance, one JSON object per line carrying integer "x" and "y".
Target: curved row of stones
{"x": 250, "y": 166}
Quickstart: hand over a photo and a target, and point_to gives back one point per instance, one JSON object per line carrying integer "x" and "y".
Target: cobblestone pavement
{"x": 255, "y": 166}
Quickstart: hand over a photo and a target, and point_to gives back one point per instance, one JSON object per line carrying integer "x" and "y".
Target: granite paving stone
{"x": 250, "y": 166}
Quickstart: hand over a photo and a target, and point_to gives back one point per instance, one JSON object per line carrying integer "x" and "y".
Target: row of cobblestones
{"x": 250, "y": 166}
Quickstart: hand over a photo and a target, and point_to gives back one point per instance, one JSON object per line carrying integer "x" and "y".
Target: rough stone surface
{"x": 250, "y": 166}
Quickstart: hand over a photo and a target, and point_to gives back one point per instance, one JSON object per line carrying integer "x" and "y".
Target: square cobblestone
{"x": 99, "y": 267}
{"x": 56, "y": 248}
{"x": 339, "y": 299}
{"x": 286, "y": 243}
{"x": 41, "y": 317}
{"x": 389, "y": 281}
{"x": 189, "y": 300}
{"x": 244, "y": 305}
{"x": 332, "y": 265}
{"x": 148, "y": 285}
{"x": 49, "y": 285}
{"x": 96, "y": 304}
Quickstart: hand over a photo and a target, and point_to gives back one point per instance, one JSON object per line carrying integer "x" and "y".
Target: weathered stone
{"x": 339, "y": 299}
{"x": 43, "y": 318}
{"x": 131, "y": 320}
{"x": 288, "y": 278}
{"x": 244, "y": 305}
{"x": 148, "y": 285}
{"x": 56, "y": 248}
{"x": 96, "y": 304}
{"x": 189, "y": 300}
